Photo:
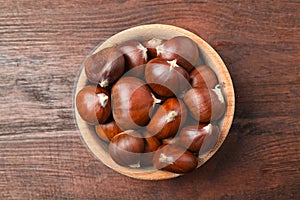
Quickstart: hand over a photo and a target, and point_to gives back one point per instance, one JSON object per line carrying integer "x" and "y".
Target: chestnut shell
{"x": 89, "y": 105}
{"x": 193, "y": 137}
{"x": 182, "y": 48}
{"x": 203, "y": 76}
{"x": 126, "y": 148}
{"x": 135, "y": 55}
{"x": 211, "y": 140}
{"x": 105, "y": 66}
{"x": 167, "y": 119}
{"x": 204, "y": 104}
{"x": 174, "y": 159}
{"x": 132, "y": 103}
{"x": 166, "y": 78}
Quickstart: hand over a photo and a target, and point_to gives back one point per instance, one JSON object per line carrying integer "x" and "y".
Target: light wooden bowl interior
{"x": 141, "y": 33}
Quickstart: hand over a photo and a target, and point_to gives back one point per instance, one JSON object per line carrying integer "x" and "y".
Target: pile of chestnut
{"x": 154, "y": 102}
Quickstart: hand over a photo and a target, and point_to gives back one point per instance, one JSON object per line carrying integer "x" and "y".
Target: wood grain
{"x": 42, "y": 45}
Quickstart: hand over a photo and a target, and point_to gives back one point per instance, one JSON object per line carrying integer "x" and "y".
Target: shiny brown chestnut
{"x": 135, "y": 55}
{"x": 93, "y": 104}
{"x": 210, "y": 140}
{"x": 203, "y": 76}
{"x": 182, "y": 48}
{"x": 132, "y": 103}
{"x": 151, "y": 46}
{"x": 205, "y": 104}
{"x": 151, "y": 145}
{"x": 108, "y": 130}
{"x": 192, "y": 137}
{"x": 167, "y": 119}
{"x": 105, "y": 66}
{"x": 126, "y": 148}
{"x": 174, "y": 159}
{"x": 166, "y": 78}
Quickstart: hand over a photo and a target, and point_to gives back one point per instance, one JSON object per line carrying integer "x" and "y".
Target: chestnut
{"x": 166, "y": 78}
{"x": 132, "y": 103}
{"x": 126, "y": 148}
{"x": 182, "y": 48}
{"x": 108, "y": 130}
{"x": 174, "y": 159}
{"x": 151, "y": 145}
{"x": 192, "y": 137}
{"x": 135, "y": 55}
{"x": 203, "y": 76}
{"x": 210, "y": 140}
{"x": 205, "y": 104}
{"x": 105, "y": 66}
{"x": 93, "y": 104}
{"x": 167, "y": 119}
{"x": 151, "y": 46}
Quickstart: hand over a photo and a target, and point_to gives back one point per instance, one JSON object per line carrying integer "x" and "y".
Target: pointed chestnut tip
{"x": 208, "y": 128}
{"x": 172, "y": 63}
{"x": 166, "y": 159}
{"x": 217, "y": 90}
{"x": 155, "y": 100}
{"x": 159, "y": 49}
{"x": 171, "y": 116}
{"x": 104, "y": 83}
{"x": 103, "y": 99}
{"x": 144, "y": 51}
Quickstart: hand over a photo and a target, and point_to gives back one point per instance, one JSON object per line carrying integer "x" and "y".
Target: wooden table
{"x": 42, "y": 45}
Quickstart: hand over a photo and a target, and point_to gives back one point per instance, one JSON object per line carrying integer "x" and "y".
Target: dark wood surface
{"x": 42, "y": 45}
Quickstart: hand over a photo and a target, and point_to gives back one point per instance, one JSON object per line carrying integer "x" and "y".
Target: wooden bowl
{"x": 141, "y": 33}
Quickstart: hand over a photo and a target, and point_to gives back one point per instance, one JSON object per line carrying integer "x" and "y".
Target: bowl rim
{"x": 95, "y": 146}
